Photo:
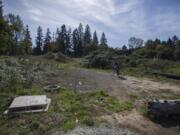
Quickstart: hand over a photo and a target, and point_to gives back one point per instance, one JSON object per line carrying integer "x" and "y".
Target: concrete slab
{"x": 25, "y": 104}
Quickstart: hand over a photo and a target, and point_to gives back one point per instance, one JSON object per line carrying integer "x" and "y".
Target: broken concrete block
{"x": 27, "y": 104}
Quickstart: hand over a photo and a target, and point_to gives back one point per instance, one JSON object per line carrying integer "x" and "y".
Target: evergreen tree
{"x": 150, "y": 45}
{"x": 103, "y": 40}
{"x": 177, "y": 51}
{"x": 94, "y": 44}
{"x": 57, "y": 41}
{"x": 53, "y": 42}
{"x": 80, "y": 40}
{"x": 87, "y": 40}
{"x": 27, "y": 44}
{"x": 63, "y": 40}
{"x": 39, "y": 41}
{"x": 75, "y": 42}
{"x": 175, "y": 40}
{"x": 157, "y": 41}
{"x": 95, "y": 39}
{"x": 80, "y": 31}
{"x": 169, "y": 42}
{"x": 69, "y": 42}
{"x": 124, "y": 48}
{"x": 16, "y": 34}
{"x": 1, "y": 9}
{"x": 87, "y": 35}
{"x": 4, "y": 33}
{"x": 47, "y": 42}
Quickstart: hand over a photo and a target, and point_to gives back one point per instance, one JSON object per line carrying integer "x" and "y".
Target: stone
{"x": 52, "y": 88}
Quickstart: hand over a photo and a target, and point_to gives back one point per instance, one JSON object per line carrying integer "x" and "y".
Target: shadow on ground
{"x": 168, "y": 122}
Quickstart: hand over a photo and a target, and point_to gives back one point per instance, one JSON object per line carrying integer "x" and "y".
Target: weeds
{"x": 68, "y": 109}
{"x": 144, "y": 110}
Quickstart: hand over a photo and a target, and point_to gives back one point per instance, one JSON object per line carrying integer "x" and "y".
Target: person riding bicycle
{"x": 116, "y": 67}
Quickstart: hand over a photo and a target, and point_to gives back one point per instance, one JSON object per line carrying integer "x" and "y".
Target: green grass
{"x": 108, "y": 103}
{"x": 69, "y": 125}
{"x": 35, "y": 90}
{"x": 67, "y": 110}
{"x": 174, "y": 70}
{"x": 144, "y": 110}
{"x": 133, "y": 71}
{"x": 69, "y": 64}
{"x": 133, "y": 96}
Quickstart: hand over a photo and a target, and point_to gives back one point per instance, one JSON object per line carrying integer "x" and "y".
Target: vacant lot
{"x": 87, "y": 97}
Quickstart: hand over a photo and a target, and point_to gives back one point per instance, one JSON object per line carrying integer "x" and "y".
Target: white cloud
{"x": 115, "y": 17}
{"x": 35, "y": 12}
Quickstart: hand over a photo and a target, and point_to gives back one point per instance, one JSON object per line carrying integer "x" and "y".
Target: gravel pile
{"x": 97, "y": 131}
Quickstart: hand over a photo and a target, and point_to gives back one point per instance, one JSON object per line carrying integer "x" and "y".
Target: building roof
{"x": 25, "y": 101}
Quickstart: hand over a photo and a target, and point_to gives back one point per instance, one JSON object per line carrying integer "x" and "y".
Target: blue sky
{"x": 119, "y": 19}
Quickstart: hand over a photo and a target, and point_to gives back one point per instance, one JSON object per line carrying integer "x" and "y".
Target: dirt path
{"x": 88, "y": 80}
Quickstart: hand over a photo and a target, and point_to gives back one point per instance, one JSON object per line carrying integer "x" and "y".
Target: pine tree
{"x": 47, "y": 42}
{"x": 87, "y": 35}
{"x": 157, "y": 41}
{"x": 57, "y": 41}
{"x": 103, "y": 40}
{"x": 177, "y": 51}
{"x": 16, "y": 34}
{"x": 27, "y": 44}
{"x": 124, "y": 48}
{"x": 69, "y": 42}
{"x": 87, "y": 40}
{"x": 39, "y": 41}
{"x": 175, "y": 40}
{"x": 1, "y": 9}
{"x": 94, "y": 45}
{"x": 95, "y": 39}
{"x": 3, "y": 31}
{"x": 63, "y": 40}
{"x": 80, "y": 40}
{"x": 75, "y": 42}
{"x": 169, "y": 42}
{"x": 80, "y": 32}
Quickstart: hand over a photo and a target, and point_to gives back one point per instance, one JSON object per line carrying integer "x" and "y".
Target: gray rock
{"x": 97, "y": 131}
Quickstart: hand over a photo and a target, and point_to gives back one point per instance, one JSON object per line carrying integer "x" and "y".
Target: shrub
{"x": 61, "y": 57}
{"x": 100, "y": 59}
{"x": 50, "y": 55}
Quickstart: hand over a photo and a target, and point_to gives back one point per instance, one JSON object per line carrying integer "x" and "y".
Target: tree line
{"x": 169, "y": 49}
{"x": 15, "y": 39}
{"x": 75, "y": 43}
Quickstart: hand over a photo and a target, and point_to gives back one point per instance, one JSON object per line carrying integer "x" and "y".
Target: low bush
{"x": 50, "y": 55}
{"x": 100, "y": 59}
{"x": 61, "y": 57}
